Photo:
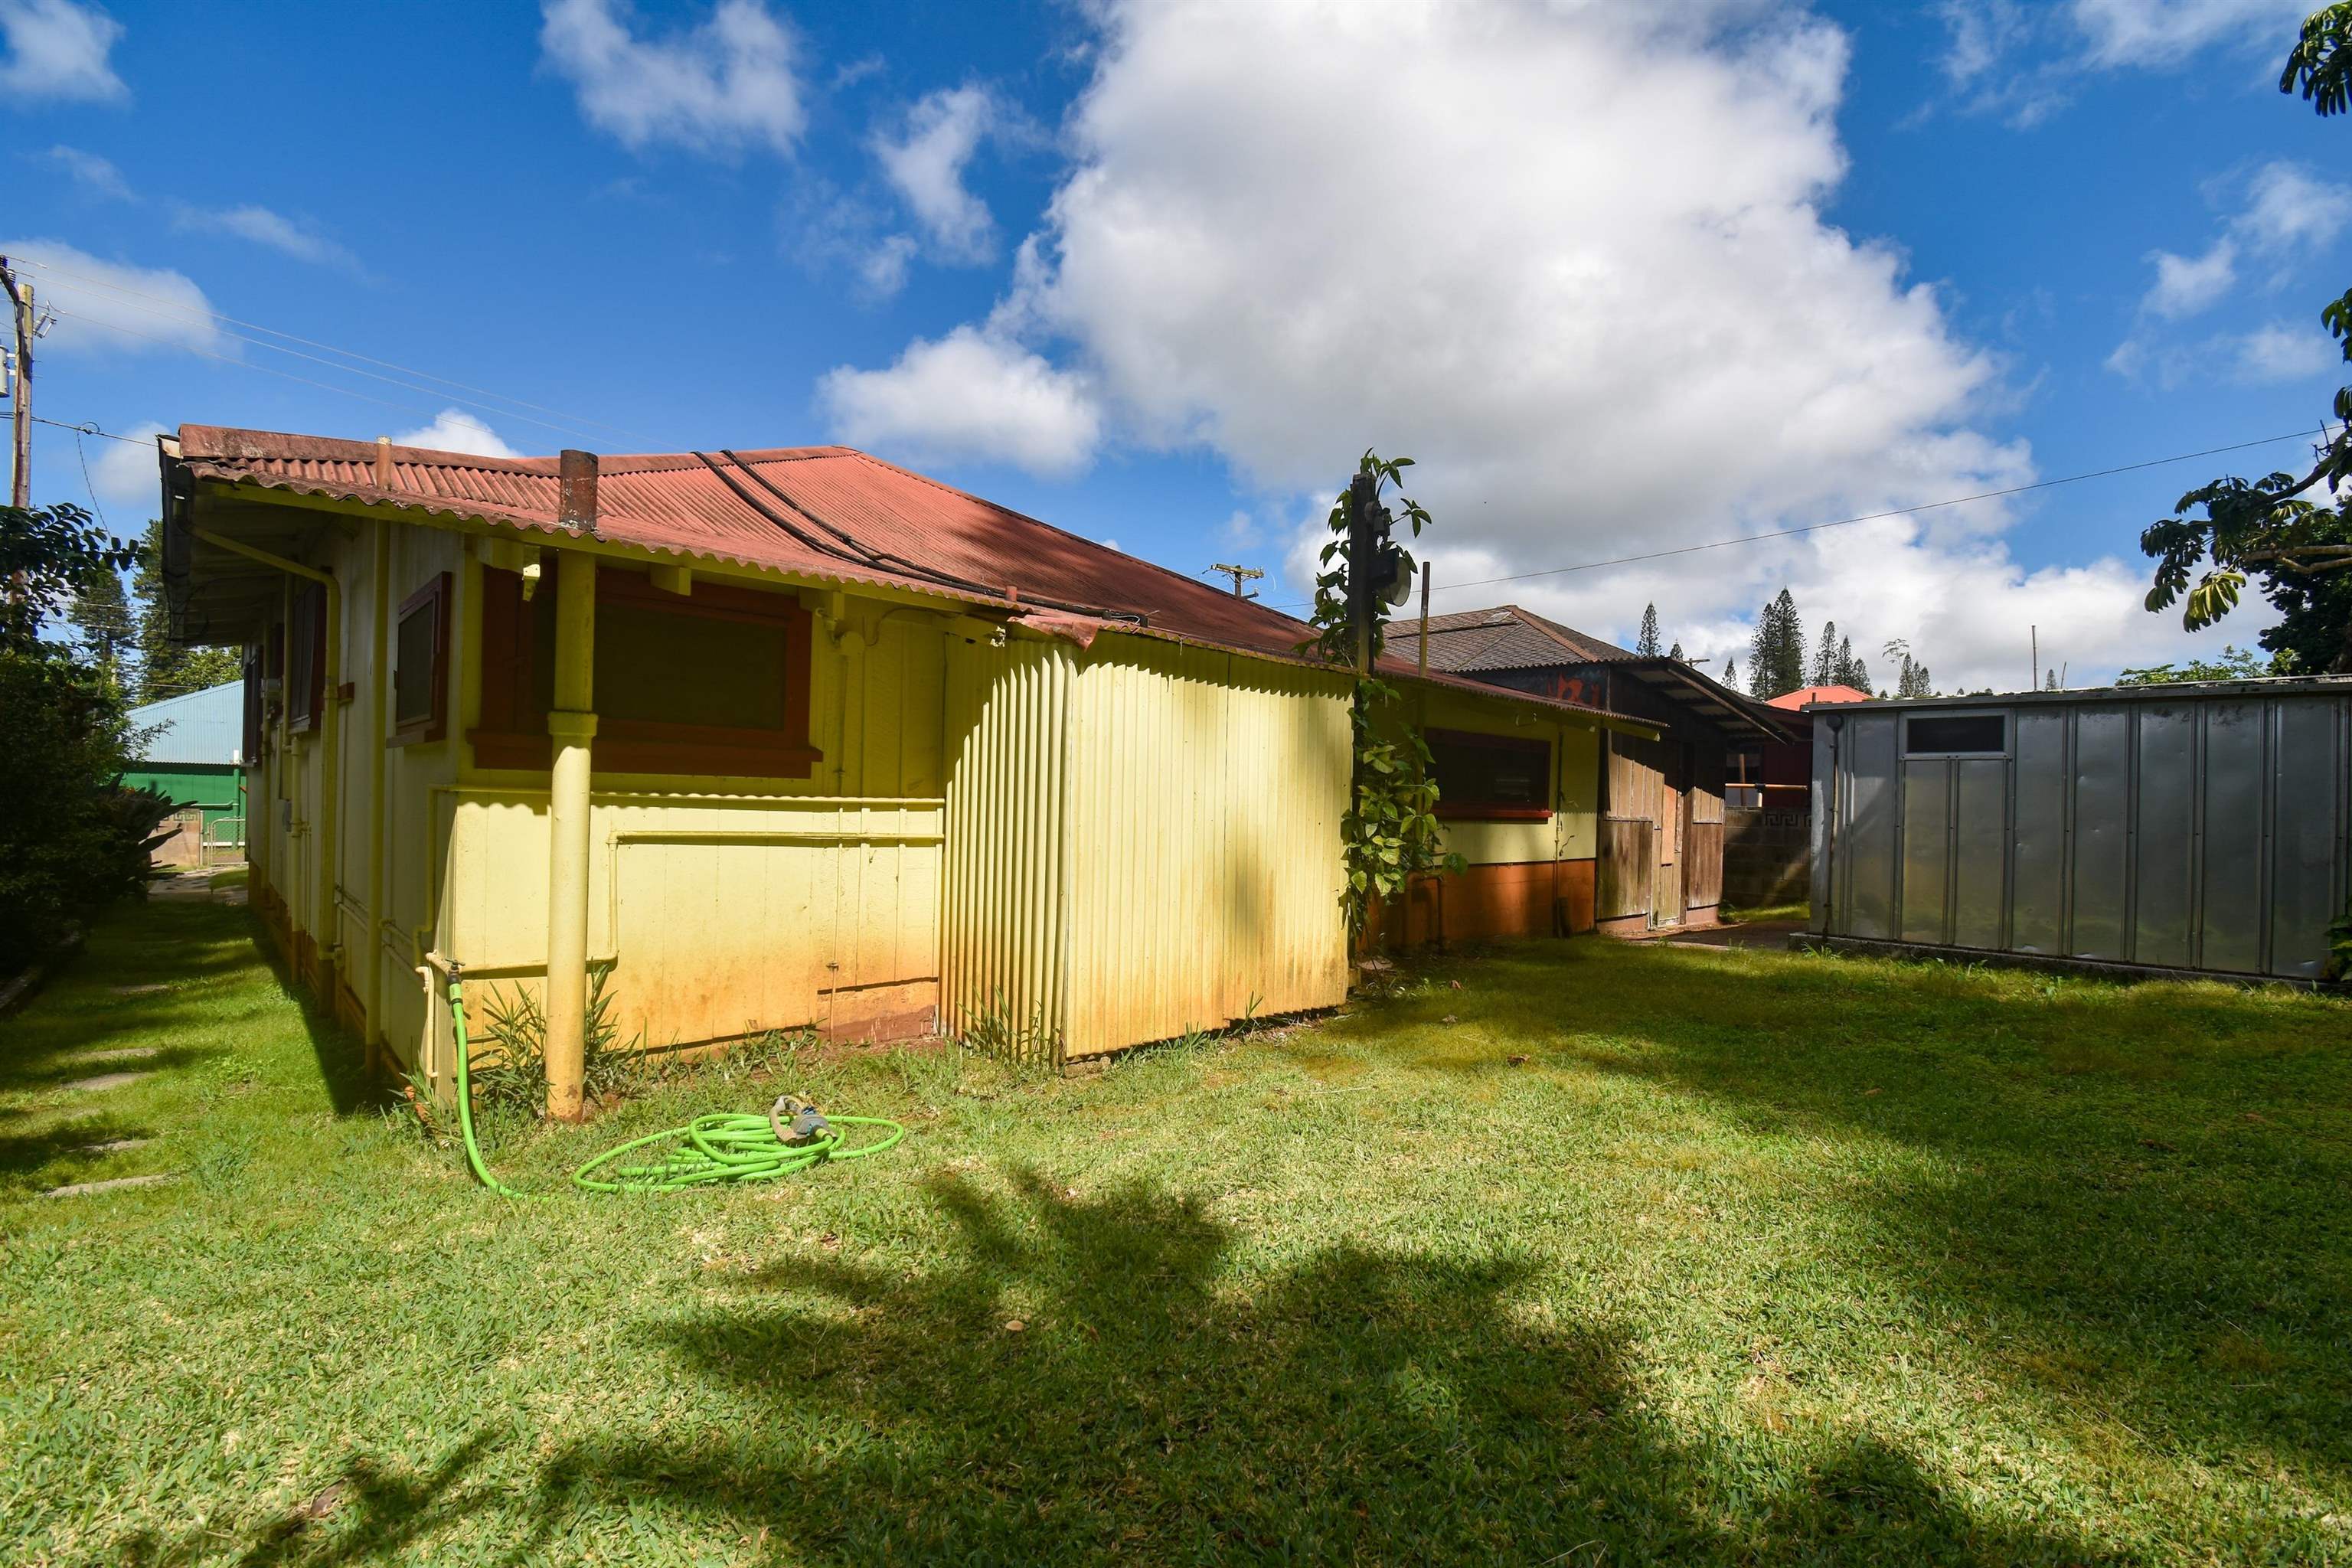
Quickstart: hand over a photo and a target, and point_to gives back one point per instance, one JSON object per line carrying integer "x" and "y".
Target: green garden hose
{"x": 725, "y": 1146}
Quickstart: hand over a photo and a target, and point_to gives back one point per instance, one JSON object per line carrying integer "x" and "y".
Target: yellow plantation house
{"x": 799, "y": 738}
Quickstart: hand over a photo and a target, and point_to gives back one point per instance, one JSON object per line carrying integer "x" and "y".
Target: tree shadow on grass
{"x": 1158, "y": 1404}
{"x": 2134, "y": 1193}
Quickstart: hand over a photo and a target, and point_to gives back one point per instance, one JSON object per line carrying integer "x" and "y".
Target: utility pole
{"x": 1240, "y": 574}
{"x": 1362, "y": 495}
{"x": 20, "y": 402}
{"x": 1423, "y": 659}
{"x": 2033, "y": 637}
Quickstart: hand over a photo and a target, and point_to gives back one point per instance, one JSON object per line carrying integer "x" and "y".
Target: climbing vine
{"x": 1389, "y": 831}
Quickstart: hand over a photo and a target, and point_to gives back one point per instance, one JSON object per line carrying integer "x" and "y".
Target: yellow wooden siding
{"x": 1206, "y": 791}
{"x": 1575, "y": 781}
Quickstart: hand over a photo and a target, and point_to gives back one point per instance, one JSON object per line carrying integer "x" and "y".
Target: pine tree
{"x": 1825, "y": 657}
{"x": 1776, "y": 654}
{"x": 1646, "y": 644}
{"x": 1676, "y": 652}
{"x": 165, "y": 670}
{"x": 1731, "y": 673}
{"x": 2051, "y": 683}
{"x": 102, "y": 617}
{"x": 1852, "y": 671}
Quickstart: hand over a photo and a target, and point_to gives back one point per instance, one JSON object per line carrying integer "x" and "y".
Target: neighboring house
{"x": 1785, "y": 768}
{"x": 788, "y": 738}
{"x": 1661, "y": 833}
{"x": 2200, "y": 826}
{"x": 191, "y": 755}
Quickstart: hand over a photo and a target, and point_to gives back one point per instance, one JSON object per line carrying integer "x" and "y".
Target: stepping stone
{"x": 103, "y": 1080}
{"x": 83, "y": 1189}
{"x": 113, "y": 1145}
{"x": 122, "y": 1053}
{"x": 140, "y": 990}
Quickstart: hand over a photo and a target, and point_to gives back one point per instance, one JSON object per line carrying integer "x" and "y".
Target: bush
{"x": 72, "y": 838}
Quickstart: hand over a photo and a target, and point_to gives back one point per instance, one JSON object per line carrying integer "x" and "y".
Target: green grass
{"x": 1799, "y": 910}
{"x": 1756, "y": 1257}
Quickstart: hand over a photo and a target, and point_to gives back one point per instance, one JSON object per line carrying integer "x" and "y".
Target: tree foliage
{"x": 1389, "y": 832}
{"x": 166, "y": 668}
{"x": 2235, "y": 664}
{"x": 1647, "y": 645}
{"x": 2231, "y": 528}
{"x": 72, "y": 836}
{"x": 1776, "y": 652}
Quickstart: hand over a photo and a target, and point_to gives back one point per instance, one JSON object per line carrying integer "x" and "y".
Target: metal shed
{"x": 2194, "y": 826}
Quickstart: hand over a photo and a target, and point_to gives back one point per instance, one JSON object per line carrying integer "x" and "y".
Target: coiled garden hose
{"x": 725, "y": 1146}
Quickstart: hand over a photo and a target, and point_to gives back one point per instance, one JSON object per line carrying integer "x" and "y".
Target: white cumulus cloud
{"x": 970, "y": 394}
{"x": 2280, "y": 352}
{"x": 925, "y": 159}
{"x": 57, "y": 49}
{"x": 1576, "y": 263}
{"x": 455, "y": 430}
{"x": 2287, "y": 207}
{"x": 126, "y": 476}
{"x": 106, "y": 307}
{"x": 259, "y": 225}
{"x": 727, "y": 84}
{"x": 2186, "y": 284}
{"x": 95, "y": 175}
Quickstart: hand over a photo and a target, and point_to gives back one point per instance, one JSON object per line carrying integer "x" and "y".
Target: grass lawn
{"x": 1755, "y": 1258}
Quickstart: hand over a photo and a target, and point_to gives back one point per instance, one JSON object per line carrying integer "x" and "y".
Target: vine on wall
{"x": 1389, "y": 831}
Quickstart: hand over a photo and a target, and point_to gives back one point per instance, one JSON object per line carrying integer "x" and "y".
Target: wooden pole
{"x": 572, "y": 724}
{"x": 20, "y": 406}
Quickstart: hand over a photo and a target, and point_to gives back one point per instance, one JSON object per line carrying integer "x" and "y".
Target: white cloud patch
{"x": 127, "y": 477}
{"x": 2118, "y": 34}
{"x": 971, "y": 395}
{"x": 1588, "y": 285}
{"x": 455, "y": 430}
{"x": 106, "y": 307}
{"x": 59, "y": 50}
{"x": 262, "y": 226}
{"x": 2282, "y": 352}
{"x": 924, "y": 159}
{"x": 2288, "y": 207}
{"x": 728, "y": 84}
{"x": 2187, "y": 285}
{"x": 93, "y": 174}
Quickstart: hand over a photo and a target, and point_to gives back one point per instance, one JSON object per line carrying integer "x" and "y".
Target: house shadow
{"x": 2130, "y": 1196}
{"x": 1155, "y": 1403}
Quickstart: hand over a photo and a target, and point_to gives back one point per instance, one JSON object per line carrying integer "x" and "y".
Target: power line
{"x": 248, "y": 364}
{"x": 177, "y": 310}
{"x": 89, "y": 428}
{"x": 1870, "y": 517}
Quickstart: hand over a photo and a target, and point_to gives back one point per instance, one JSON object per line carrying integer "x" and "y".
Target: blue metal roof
{"x": 206, "y": 726}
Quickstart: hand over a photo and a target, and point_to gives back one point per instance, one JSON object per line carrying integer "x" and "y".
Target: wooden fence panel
{"x": 1628, "y": 868}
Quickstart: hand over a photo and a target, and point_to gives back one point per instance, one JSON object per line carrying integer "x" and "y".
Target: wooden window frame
{"x": 310, "y": 602}
{"x": 435, "y": 596}
{"x": 513, "y": 730}
{"x": 1451, "y": 810}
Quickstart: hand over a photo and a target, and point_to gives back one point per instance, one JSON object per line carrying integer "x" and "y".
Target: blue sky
{"x": 1156, "y": 269}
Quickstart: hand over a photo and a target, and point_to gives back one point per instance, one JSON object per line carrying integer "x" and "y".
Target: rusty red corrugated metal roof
{"x": 681, "y": 504}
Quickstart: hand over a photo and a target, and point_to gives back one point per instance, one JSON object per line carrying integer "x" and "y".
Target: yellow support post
{"x": 572, "y": 722}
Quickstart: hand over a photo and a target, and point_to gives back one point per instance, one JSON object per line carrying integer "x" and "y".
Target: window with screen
{"x": 715, "y": 683}
{"x": 420, "y": 666}
{"x": 306, "y": 658}
{"x": 1951, "y": 734}
{"x": 1505, "y": 778}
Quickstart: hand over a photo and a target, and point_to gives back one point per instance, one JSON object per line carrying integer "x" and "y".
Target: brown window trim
{"x": 1450, "y": 810}
{"x": 311, "y": 603}
{"x": 434, "y": 726}
{"x": 512, "y": 735}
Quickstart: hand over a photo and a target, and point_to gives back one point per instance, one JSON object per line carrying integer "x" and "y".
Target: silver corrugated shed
{"x": 2193, "y": 827}
{"x": 206, "y": 726}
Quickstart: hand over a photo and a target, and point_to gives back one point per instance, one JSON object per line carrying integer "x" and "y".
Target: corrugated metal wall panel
{"x": 2178, "y": 830}
{"x": 2038, "y": 876}
{"x": 2236, "y": 828}
{"x": 2102, "y": 862}
{"x": 1206, "y": 792}
{"x": 2306, "y": 876}
{"x": 2164, "y": 839}
{"x": 1003, "y": 926}
{"x": 1979, "y": 822}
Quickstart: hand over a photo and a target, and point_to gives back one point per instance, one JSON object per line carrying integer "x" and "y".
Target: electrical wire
{"x": 175, "y": 311}
{"x": 87, "y": 428}
{"x": 1866, "y": 517}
